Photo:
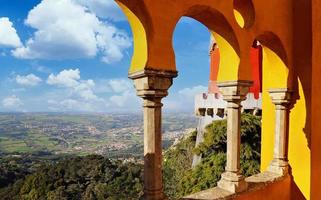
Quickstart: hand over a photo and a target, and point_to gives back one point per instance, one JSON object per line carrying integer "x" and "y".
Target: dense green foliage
{"x": 177, "y": 161}
{"x": 184, "y": 180}
{"x": 15, "y": 167}
{"x": 88, "y": 178}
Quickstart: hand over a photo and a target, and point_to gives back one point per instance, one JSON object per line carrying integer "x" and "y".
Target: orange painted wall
{"x": 316, "y": 102}
{"x": 214, "y": 66}
{"x": 283, "y": 190}
{"x": 271, "y": 192}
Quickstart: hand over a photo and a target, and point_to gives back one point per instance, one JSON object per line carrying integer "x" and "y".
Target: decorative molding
{"x": 151, "y": 72}
{"x": 234, "y": 90}
{"x": 281, "y": 95}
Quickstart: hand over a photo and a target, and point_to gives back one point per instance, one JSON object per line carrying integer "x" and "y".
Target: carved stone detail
{"x": 234, "y": 93}
{"x": 282, "y": 100}
{"x": 152, "y": 86}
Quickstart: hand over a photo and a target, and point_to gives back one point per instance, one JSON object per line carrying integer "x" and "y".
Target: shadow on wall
{"x": 277, "y": 74}
{"x": 302, "y": 60}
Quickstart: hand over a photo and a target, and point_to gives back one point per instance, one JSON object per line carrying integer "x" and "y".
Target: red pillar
{"x": 256, "y": 62}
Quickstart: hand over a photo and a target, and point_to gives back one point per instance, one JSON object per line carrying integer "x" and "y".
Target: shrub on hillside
{"x": 213, "y": 150}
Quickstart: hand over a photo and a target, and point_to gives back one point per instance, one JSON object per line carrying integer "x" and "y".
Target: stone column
{"x": 282, "y": 100}
{"x": 234, "y": 92}
{"x": 152, "y": 86}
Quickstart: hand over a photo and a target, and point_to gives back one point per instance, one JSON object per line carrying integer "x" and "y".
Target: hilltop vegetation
{"x": 181, "y": 179}
{"x": 88, "y": 178}
{"x": 96, "y": 177}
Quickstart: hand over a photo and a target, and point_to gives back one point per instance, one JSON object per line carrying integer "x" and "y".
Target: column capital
{"x": 152, "y": 83}
{"x": 281, "y": 96}
{"x": 234, "y": 91}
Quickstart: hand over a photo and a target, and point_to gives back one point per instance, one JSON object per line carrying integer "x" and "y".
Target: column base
{"x": 280, "y": 167}
{"x": 232, "y": 182}
{"x": 153, "y": 195}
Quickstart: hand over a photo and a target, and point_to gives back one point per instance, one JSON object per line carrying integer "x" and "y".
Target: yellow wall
{"x": 299, "y": 152}
{"x": 239, "y": 18}
{"x": 139, "y": 58}
{"x": 275, "y": 76}
{"x": 229, "y": 60}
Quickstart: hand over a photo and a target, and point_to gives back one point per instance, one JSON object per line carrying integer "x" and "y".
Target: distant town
{"x": 114, "y": 135}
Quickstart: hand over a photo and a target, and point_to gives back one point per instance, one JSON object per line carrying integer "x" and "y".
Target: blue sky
{"x": 74, "y": 55}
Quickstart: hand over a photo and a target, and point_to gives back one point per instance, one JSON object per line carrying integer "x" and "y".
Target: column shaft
{"x": 281, "y": 117}
{"x": 234, "y": 93}
{"x": 153, "y": 149}
{"x": 281, "y": 98}
{"x": 234, "y": 137}
{"x": 152, "y": 86}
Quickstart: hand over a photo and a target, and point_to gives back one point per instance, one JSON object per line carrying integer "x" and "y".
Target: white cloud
{"x": 65, "y": 78}
{"x": 42, "y": 69}
{"x": 191, "y": 92}
{"x": 71, "y": 105}
{"x": 12, "y": 102}
{"x": 71, "y": 80}
{"x": 115, "y": 95}
{"x": 184, "y": 99}
{"x": 122, "y": 93}
{"x": 85, "y": 90}
{"x": 8, "y": 34}
{"x": 107, "y": 9}
{"x": 117, "y": 85}
{"x": 67, "y": 30}
{"x": 68, "y": 91}
{"x": 28, "y": 80}
{"x": 120, "y": 85}
{"x": 127, "y": 99}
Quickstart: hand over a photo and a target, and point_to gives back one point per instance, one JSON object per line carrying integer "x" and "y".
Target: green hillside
{"x": 181, "y": 180}
{"x": 96, "y": 177}
{"x": 88, "y": 178}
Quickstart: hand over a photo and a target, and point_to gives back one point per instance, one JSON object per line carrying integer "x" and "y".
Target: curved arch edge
{"x": 140, "y": 51}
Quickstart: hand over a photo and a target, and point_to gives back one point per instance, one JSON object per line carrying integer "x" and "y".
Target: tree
{"x": 213, "y": 149}
{"x": 90, "y": 178}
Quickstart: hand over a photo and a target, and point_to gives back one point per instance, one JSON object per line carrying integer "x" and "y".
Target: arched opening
{"x": 191, "y": 45}
{"x": 274, "y": 75}
{"x": 209, "y": 107}
{"x": 191, "y": 41}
